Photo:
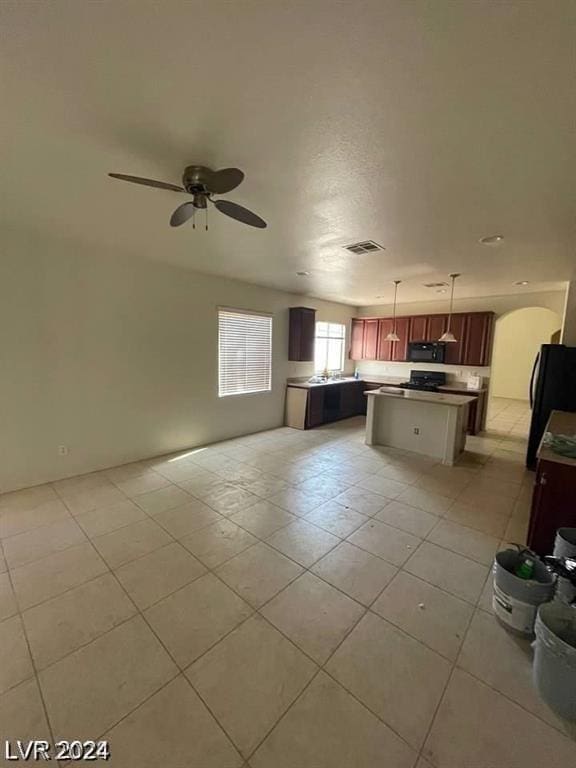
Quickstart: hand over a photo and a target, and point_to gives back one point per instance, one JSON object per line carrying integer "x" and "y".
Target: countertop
{"x": 424, "y": 397}
{"x": 392, "y": 381}
{"x": 559, "y": 423}
{"x": 309, "y": 385}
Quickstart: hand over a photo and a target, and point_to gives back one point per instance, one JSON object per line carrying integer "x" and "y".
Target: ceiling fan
{"x": 202, "y": 183}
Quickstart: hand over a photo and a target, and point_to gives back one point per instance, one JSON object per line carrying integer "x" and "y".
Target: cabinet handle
{"x": 543, "y": 479}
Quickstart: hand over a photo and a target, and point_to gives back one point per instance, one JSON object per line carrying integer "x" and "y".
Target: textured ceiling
{"x": 422, "y": 125}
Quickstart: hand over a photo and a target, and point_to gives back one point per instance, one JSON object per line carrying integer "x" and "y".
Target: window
{"x": 244, "y": 352}
{"x": 329, "y": 349}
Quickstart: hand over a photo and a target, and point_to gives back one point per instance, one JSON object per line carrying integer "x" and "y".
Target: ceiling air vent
{"x": 435, "y": 285}
{"x": 366, "y": 246}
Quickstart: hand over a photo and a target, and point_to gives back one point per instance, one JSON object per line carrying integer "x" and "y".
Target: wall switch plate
{"x": 416, "y": 430}
{"x": 63, "y": 450}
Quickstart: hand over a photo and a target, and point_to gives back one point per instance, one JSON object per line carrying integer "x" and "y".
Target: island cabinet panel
{"x": 477, "y": 347}
{"x": 418, "y": 328}
{"x": 435, "y": 327}
{"x": 357, "y": 340}
{"x": 370, "y": 345}
{"x": 454, "y": 350}
{"x": 302, "y": 334}
{"x": 400, "y": 348}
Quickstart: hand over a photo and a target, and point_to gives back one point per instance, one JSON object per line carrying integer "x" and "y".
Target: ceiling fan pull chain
{"x": 206, "y": 209}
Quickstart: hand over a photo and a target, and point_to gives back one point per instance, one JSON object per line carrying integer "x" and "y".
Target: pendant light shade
{"x": 393, "y": 336}
{"x": 448, "y": 337}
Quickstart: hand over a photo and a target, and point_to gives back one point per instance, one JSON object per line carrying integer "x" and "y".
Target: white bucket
{"x": 515, "y": 601}
{"x": 554, "y": 671}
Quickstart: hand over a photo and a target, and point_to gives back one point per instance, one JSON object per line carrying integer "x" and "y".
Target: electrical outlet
{"x": 63, "y": 450}
{"x": 416, "y": 430}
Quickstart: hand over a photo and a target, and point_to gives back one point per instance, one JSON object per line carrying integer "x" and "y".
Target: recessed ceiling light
{"x": 492, "y": 239}
{"x": 303, "y": 273}
{"x": 521, "y": 282}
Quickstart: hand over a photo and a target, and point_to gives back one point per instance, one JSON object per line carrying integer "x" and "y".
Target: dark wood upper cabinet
{"x": 436, "y": 326}
{"x": 400, "y": 348}
{"x": 473, "y": 332}
{"x": 302, "y": 334}
{"x": 357, "y": 339}
{"x": 393, "y": 350}
{"x": 477, "y": 348}
{"x": 370, "y": 345}
{"x": 385, "y": 326}
{"x": 453, "y": 354}
{"x": 418, "y": 328}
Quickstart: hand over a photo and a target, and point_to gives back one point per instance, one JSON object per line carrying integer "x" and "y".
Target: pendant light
{"x": 448, "y": 336}
{"x": 393, "y": 336}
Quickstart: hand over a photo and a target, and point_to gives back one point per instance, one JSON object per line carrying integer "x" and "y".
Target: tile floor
{"x": 283, "y": 599}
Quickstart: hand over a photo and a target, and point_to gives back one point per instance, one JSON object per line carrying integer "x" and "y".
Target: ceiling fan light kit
{"x": 448, "y": 337}
{"x": 202, "y": 183}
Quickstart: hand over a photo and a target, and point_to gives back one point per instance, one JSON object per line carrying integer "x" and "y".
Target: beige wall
{"x": 517, "y": 339}
{"x": 117, "y": 359}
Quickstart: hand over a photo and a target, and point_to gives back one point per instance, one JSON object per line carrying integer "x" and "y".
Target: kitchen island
{"x": 430, "y": 423}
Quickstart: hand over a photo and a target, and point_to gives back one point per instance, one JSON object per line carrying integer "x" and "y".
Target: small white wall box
{"x": 474, "y": 382}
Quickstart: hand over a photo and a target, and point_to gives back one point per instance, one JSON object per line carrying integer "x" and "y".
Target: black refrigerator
{"x": 552, "y": 387}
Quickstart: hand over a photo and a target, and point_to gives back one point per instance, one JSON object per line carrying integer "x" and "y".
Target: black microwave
{"x": 426, "y": 352}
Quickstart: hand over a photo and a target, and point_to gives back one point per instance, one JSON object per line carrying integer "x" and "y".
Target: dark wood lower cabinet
{"x": 311, "y": 407}
{"x": 552, "y": 504}
{"x": 308, "y": 407}
{"x": 476, "y": 409}
{"x": 315, "y": 409}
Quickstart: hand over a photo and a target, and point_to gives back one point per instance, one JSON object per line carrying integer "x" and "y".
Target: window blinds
{"x": 244, "y": 352}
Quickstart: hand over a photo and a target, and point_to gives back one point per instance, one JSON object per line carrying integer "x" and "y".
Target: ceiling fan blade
{"x": 225, "y": 180}
{"x": 182, "y": 214}
{"x": 240, "y": 213}
{"x": 147, "y": 182}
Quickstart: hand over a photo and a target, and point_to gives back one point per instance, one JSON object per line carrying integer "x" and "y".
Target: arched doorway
{"x": 517, "y": 338}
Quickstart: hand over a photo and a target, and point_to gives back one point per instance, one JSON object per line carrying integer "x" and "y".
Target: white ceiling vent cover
{"x": 366, "y": 246}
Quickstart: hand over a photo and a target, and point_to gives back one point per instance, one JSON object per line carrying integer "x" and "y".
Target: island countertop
{"x": 440, "y": 398}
